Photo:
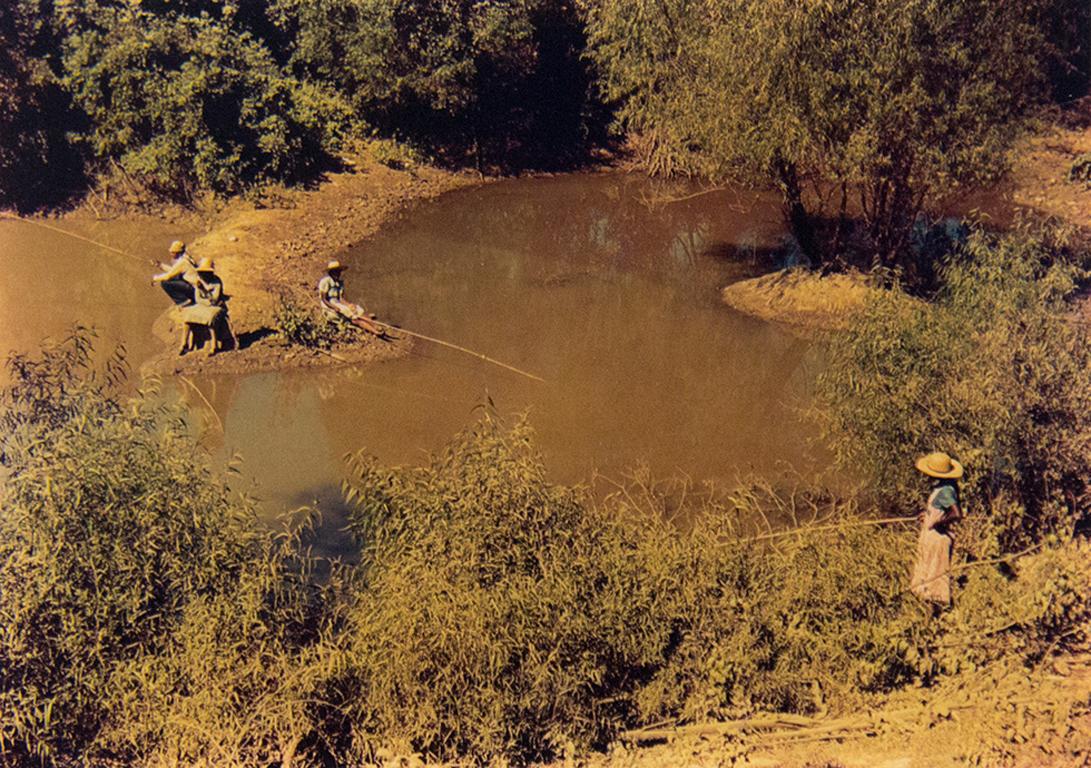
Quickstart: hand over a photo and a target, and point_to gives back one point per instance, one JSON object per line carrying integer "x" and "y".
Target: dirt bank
{"x": 1038, "y": 182}
{"x": 277, "y": 250}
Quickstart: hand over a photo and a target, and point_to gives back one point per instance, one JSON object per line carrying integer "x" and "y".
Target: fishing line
{"x": 14, "y": 217}
{"x": 464, "y": 350}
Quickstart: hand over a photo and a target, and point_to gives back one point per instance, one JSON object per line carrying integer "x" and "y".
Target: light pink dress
{"x": 932, "y": 572}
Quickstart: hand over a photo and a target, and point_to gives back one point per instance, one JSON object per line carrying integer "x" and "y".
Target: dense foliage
{"x": 145, "y": 613}
{"x": 148, "y": 617}
{"x": 856, "y": 111}
{"x": 993, "y": 371}
{"x": 37, "y": 164}
{"x": 181, "y": 99}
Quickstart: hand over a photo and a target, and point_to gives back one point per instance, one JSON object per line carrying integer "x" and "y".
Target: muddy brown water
{"x": 587, "y": 280}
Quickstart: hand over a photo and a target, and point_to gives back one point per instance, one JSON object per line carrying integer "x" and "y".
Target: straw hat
{"x": 177, "y": 247}
{"x": 335, "y": 265}
{"x": 206, "y": 265}
{"x": 940, "y": 465}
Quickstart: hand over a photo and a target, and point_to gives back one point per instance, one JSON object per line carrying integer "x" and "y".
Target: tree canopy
{"x": 865, "y": 110}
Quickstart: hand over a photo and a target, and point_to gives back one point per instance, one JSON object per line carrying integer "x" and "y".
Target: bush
{"x": 993, "y": 372}
{"x": 190, "y": 104}
{"x": 506, "y": 618}
{"x": 146, "y": 613}
{"x": 306, "y": 328}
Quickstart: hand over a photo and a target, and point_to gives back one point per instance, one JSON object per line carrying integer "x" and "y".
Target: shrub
{"x": 145, "y": 612}
{"x": 306, "y": 328}
{"x": 505, "y": 618}
{"x": 190, "y": 104}
{"x": 993, "y": 372}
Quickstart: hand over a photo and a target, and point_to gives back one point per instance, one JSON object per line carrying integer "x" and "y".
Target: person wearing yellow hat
{"x": 209, "y": 310}
{"x": 331, "y": 289}
{"x": 178, "y": 279}
{"x": 931, "y": 580}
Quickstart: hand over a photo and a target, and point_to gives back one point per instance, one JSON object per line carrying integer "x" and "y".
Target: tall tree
{"x": 855, "y": 110}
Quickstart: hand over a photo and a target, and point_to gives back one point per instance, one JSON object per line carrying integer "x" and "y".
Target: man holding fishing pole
{"x": 330, "y": 292}
{"x": 180, "y": 277}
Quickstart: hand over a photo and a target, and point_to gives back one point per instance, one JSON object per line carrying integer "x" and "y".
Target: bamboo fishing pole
{"x": 25, "y": 220}
{"x": 457, "y": 348}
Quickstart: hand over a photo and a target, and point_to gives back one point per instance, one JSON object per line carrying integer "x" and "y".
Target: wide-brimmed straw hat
{"x": 177, "y": 247}
{"x": 335, "y": 265}
{"x": 206, "y": 265}
{"x": 940, "y": 465}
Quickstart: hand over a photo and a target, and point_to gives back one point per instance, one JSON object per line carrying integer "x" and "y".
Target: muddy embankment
{"x": 277, "y": 252}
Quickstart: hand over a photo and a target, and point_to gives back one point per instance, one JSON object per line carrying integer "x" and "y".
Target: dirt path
{"x": 1004, "y": 715}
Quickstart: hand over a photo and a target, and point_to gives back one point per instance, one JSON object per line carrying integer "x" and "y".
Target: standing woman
{"x": 932, "y": 572}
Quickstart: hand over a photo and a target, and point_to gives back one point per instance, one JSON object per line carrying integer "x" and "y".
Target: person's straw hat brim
{"x": 940, "y": 465}
{"x": 335, "y": 266}
{"x": 206, "y": 265}
{"x": 177, "y": 247}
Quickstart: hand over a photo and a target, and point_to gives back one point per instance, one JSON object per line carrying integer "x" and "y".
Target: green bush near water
{"x": 303, "y": 327}
{"x": 995, "y": 371}
{"x": 146, "y": 615}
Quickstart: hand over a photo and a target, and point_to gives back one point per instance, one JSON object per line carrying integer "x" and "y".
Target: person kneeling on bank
{"x": 331, "y": 290}
{"x": 178, "y": 279}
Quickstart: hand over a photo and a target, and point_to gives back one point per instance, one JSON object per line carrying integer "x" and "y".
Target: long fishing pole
{"x": 457, "y": 348}
{"x": 25, "y": 220}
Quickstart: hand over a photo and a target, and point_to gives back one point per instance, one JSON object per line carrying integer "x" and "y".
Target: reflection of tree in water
{"x": 601, "y": 226}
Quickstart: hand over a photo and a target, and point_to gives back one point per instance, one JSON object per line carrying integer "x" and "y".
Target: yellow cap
{"x": 335, "y": 265}
{"x": 177, "y": 247}
{"x": 206, "y": 265}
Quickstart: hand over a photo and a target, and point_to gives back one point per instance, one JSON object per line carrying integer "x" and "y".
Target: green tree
{"x": 38, "y": 166}
{"x": 866, "y": 111}
{"x": 187, "y": 104}
{"x": 496, "y": 79}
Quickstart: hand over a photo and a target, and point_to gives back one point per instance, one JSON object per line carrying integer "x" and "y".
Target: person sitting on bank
{"x": 931, "y": 579}
{"x": 331, "y": 290}
{"x": 209, "y": 310}
{"x": 178, "y": 279}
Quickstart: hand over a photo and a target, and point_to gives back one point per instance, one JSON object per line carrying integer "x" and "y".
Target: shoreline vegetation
{"x": 150, "y": 617}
